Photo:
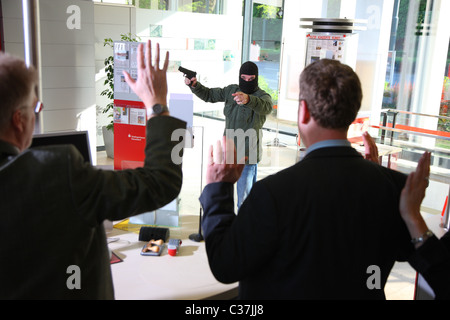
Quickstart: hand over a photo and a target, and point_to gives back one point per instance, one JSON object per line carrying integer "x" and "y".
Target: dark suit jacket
{"x": 432, "y": 260}
{"x": 327, "y": 227}
{"x": 52, "y": 208}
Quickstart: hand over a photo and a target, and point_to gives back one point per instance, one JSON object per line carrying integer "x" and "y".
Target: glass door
{"x": 262, "y": 44}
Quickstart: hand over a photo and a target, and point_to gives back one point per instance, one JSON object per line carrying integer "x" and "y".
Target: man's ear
{"x": 303, "y": 113}
{"x": 18, "y": 120}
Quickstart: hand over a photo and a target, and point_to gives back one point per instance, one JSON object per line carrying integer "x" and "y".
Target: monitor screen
{"x": 80, "y": 139}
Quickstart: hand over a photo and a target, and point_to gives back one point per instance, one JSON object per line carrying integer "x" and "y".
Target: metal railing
{"x": 391, "y": 128}
{"x": 386, "y": 112}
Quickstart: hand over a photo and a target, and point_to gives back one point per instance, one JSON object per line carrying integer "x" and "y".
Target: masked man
{"x": 246, "y": 108}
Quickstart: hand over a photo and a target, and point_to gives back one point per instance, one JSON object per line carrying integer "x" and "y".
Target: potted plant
{"x": 108, "y": 130}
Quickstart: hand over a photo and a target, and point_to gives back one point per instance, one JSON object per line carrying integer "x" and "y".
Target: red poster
{"x": 129, "y": 134}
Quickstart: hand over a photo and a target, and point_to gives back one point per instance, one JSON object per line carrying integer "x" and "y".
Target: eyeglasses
{"x": 39, "y": 106}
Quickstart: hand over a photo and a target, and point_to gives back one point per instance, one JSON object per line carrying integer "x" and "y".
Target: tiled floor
{"x": 401, "y": 283}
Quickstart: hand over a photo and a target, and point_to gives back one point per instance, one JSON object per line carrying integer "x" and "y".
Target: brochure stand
{"x": 130, "y": 119}
{"x": 130, "y": 116}
{"x": 332, "y": 39}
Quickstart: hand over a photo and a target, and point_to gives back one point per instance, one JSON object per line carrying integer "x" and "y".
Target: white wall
{"x": 110, "y": 22}
{"x": 373, "y": 52}
{"x": 371, "y": 55}
{"x": 293, "y": 54}
{"x": 180, "y": 31}
{"x": 67, "y": 62}
{"x": 73, "y": 60}
{"x": 430, "y": 67}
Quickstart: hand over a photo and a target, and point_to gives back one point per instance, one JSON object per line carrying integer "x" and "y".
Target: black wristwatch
{"x": 157, "y": 109}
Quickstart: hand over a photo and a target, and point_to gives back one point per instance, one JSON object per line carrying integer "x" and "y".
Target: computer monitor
{"x": 80, "y": 139}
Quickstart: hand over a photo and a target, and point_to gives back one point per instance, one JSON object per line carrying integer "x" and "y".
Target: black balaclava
{"x": 248, "y": 68}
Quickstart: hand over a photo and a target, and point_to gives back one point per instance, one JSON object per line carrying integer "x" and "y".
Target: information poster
{"x": 336, "y": 46}
{"x": 129, "y": 134}
{"x": 130, "y": 119}
{"x": 129, "y": 112}
{"x": 125, "y": 59}
{"x": 325, "y": 46}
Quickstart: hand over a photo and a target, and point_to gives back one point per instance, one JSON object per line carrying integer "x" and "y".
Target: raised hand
{"x": 222, "y": 163}
{"x": 412, "y": 196}
{"x": 371, "y": 149}
{"x": 151, "y": 83}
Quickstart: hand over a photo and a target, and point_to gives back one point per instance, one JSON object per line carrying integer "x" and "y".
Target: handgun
{"x": 188, "y": 73}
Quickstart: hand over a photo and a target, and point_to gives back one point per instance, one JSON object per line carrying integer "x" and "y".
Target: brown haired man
{"x": 314, "y": 230}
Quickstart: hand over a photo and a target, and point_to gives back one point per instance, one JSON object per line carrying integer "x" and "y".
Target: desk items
{"x": 153, "y": 248}
{"x": 174, "y": 245}
{"x": 156, "y": 238}
{"x": 149, "y": 233}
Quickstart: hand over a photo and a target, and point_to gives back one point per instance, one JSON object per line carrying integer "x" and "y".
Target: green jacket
{"x": 245, "y": 117}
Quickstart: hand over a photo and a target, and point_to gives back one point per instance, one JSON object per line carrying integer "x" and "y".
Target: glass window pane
{"x": 154, "y": 4}
{"x": 444, "y": 112}
{"x": 196, "y": 6}
{"x": 265, "y": 47}
{"x": 130, "y": 2}
{"x": 265, "y": 51}
{"x": 204, "y": 36}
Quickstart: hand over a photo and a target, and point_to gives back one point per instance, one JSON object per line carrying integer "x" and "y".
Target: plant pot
{"x": 108, "y": 139}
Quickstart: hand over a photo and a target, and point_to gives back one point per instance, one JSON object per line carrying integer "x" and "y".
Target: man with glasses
{"x": 53, "y": 203}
